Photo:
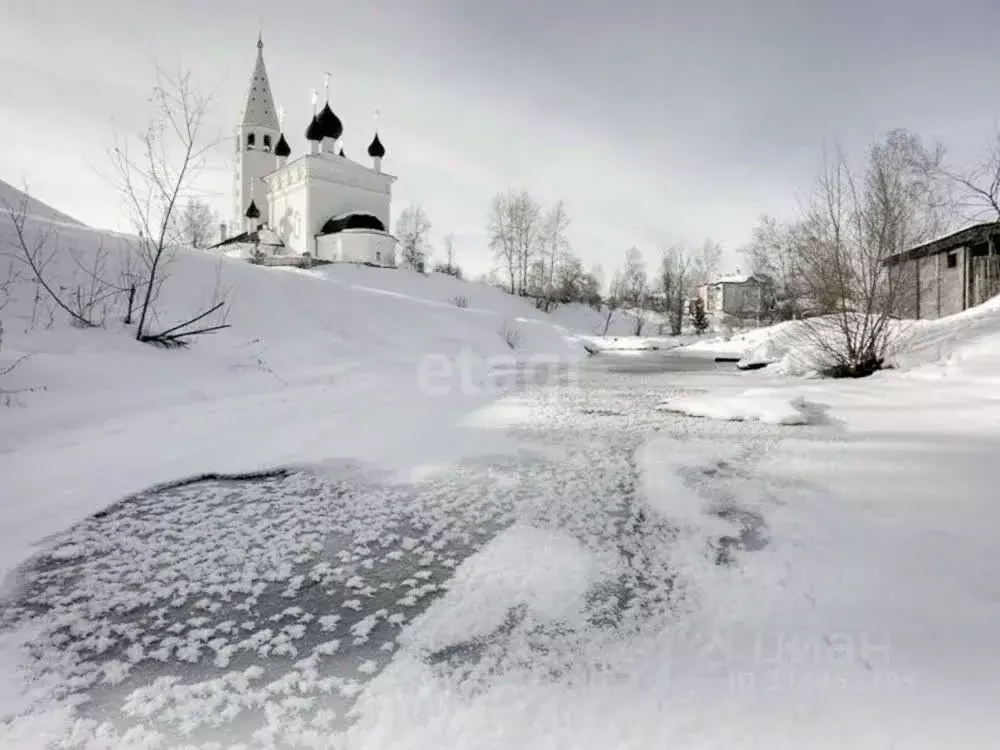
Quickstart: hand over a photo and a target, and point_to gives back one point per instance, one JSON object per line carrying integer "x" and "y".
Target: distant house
{"x": 948, "y": 275}
{"x": 737, "y": 301}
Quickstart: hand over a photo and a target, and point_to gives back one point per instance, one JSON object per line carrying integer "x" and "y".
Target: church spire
{"x": 259, "y": 108}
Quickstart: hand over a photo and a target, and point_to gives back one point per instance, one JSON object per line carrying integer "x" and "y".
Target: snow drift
{"x": 768, "y": 405}
{"x": 967, "y": 343}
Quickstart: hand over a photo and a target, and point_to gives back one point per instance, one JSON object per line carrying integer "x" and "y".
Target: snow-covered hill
{"x": 338, "y": 362}
{"x": 12, "y": 198}
{"x": 587, "y": 320}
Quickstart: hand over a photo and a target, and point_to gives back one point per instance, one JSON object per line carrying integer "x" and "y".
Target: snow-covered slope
{"x": 587, "y": 320}
{"x": 332, "y": 363}
{"x": 967, "y": 343}
{"x": 12, "y": 198}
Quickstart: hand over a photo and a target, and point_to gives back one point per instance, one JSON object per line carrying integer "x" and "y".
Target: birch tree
{"x": 198, "y": 223}
{"x": 413, "y": 231}
{"x": 554, "y": 249}
{"x": 635, "y": 288}
{"x": 513, "y": 229}
{"x": 704, "y": 265}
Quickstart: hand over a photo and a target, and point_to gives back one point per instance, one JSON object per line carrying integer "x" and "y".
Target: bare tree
{"x": 675, "y": 285}
{"x": 978, "y": 187}
{"x": 554, "y": 248}
{"x": 614, "y": 299}
{"x": 570, "y": 280}
{"x": 8, "y": 396}
{"x": 513, "y": 229}
{"x": 198, "y": 223}
{"x": 36, "y": 245}
{"x": 856, "y": 221}
{"x": 449, "y": 266}
{"x": 10, "y": 278}
{"x": 413, "y": 229}
{"x": 773, "y": 253}
{"x": 705, "y": 263}
{"x": 449, "y": 250}
{"x": 153, "y": 179}
{"x": 151, "y": 182}
{"x": 634, "y": 287}
{"x": 979, "y": 200}
{"x": 588, "y": 288}
{"x": 83, "y": 288}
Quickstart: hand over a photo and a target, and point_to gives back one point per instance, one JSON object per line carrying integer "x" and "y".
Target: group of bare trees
{"x": 668, "y": 291}
{"x": 153, "y": 174}
{"x": 829, "y": 264}
{"x": 532, "y": 251}
{"x": 413, "y": 230}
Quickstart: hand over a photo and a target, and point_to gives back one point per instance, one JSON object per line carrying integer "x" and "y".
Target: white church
{"x": 320, "y": 204}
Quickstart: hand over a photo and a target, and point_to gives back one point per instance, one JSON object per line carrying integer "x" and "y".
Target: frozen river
{"x": 254, "y": 612}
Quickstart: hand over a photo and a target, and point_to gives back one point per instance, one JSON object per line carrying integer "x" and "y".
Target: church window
{"x": 237, "y": 143}
{"x": 267, "y": 143}
{"x": 250, "y": 141}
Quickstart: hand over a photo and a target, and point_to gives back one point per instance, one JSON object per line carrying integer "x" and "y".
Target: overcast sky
{"x": 657, "y": 122}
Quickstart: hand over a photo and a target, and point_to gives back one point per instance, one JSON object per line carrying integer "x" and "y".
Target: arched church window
{"x": 250, "y": 141}
{"x": 237, "y": 144}
{"x": 267, "y": 143}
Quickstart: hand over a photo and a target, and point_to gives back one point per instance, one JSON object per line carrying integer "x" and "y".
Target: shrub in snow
{"x": 151, "y": 177}
{"x": 8, "y": 397}
{"x": 510, "y": 332}
{"x": 460, "y": 301}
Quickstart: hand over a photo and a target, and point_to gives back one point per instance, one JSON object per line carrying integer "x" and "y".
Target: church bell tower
{"x": 257, "y": 137}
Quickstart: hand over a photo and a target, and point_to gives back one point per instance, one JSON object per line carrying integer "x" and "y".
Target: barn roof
{"x": 969, "y": 235}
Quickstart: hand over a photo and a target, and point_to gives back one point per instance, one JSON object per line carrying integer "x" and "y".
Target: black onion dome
{"x": 329, "y": 124}
{"x": 375, "y": 149}
{"x": 313, "y": 132}
{"x": 252, "y": 211}
{"x": 282, "y": 149}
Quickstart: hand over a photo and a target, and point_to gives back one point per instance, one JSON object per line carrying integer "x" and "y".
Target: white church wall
{"x": 289, "y": 209}
{"x": 288, "y": 219}
{"x": 357, "y": 246}
{"x": 330, "y": 199}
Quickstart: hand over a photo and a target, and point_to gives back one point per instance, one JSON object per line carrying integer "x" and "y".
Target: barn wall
{"x": 927, "y": 288}
{"x": 951, "y": 291}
